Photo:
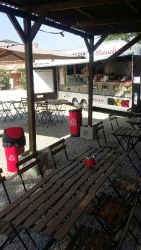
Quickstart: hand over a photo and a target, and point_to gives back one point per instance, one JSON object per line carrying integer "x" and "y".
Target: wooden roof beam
{"x": 55, "y": 6}
{"x": 101, "y": 40}
{"x": 90, "y": 15}
{"x": 133, "y": 7}
{"x": 94, "y": 47}
{"x": 107, "y": 21}
{"x": 18, "y": 27}
{"x": 37, "y": 24}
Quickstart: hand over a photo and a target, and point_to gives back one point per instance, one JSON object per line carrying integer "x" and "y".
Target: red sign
{"x": 98, "y": 100}
{"x": 100, "y": 52}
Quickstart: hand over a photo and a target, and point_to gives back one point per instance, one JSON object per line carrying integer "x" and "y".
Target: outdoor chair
{"x": 125, "y": 185}
{"x": 61, "y": 109}
{"x": 24, "y": 106}
{"x": 113, "y": 212}
{"x": 102, "y": 142}
{"x": 61, "y": 146}
{"x": 87, "y": 238}
{"x": 56, "y": 148}
{"x": 5, "y": 112}
{"x": 113, "y": 118}
{"x": 44, "y": 117}
{"x": 27, "y": 163}
{"x": 7, "y": 229}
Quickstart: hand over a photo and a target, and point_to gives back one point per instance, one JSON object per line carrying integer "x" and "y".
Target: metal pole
{"x": 30, "y": 87}
{"x": 90, "y": 86}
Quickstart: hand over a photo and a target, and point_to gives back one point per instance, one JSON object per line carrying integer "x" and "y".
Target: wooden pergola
{"x": 85, "y": 18}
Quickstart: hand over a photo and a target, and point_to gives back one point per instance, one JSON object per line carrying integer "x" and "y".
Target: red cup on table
{"x": 90, "y": 161}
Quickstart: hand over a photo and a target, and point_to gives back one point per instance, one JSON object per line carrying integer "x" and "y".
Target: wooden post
{"x": 30, "y": 86}
{"x": 90, "y": 86}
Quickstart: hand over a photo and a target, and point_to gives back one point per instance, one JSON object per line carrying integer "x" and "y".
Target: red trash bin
{"x": 13, "y": 143}
{"x": 75, "y": 118}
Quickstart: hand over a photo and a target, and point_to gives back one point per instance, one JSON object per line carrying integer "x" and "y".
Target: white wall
{"x": 12, "y": 95}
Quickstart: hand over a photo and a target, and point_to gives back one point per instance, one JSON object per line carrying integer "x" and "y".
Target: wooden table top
{"x": 127, "y": 132}
{"x": 54, "y": 204}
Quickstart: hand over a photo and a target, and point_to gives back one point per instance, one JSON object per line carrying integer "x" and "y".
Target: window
{"x": 104, "y": 87}
{"x": 77, "y": 75}
{"x": 70, "y": 69}
{"x": 80, "y": 68}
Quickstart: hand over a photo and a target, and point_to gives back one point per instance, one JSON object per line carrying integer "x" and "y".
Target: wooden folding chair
{"x": 5, "y": 112}
{"x": 113, "y": 118}
{"x": 61, "y": 145}
{"x": 27, "y": 163}
{"x": 56, "y": 148}
{"x": 23, "y": 107}
{"x": 112, "y": 213}
{"x": 103, "y": 143}
{"x": 10, "y": 231}
{"x": 87, "y": 238}
{"x": 126, "y": 185}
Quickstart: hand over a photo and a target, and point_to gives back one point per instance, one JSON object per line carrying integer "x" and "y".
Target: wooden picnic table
{"x": 135, "y": 121}
{"x": 54, "y": 204}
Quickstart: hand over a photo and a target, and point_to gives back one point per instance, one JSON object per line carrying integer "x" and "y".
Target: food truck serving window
{"x": 77, "y": 75}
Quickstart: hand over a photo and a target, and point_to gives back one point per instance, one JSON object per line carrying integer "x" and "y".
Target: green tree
{"x": 126, "y": 37}
{"x": 22, "y": 79}
{"x": 4, "y": 77}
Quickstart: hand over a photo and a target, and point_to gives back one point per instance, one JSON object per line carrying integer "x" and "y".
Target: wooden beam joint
{"x": 18, "y": 27}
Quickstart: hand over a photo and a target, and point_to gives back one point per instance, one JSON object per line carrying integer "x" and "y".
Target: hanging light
{"x": 62, "y": 34}
{"x": 77, "y": 21}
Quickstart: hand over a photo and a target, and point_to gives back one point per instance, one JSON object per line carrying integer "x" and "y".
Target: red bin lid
{"x": 14, "y": 132}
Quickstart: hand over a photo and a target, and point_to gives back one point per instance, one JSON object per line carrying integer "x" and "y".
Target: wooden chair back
{"x": 2, "y": 182}
{"x": 112, "y": 118}
{"x": 99, "y": 127}
{"x": 56, "y": 148}
{"x": 24, "y": 102}
{"x": 28, "y": 165}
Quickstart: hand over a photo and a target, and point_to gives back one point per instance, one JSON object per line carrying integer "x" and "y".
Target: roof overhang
{"x": 81, "y": 17}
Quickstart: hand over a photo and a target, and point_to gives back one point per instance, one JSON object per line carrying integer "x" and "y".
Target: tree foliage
{"x": 126, "y": 37}
{"x": 4, "y": 77}
{"x": 22, "y": 79}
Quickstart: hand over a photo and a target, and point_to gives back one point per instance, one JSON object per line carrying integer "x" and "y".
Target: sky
{"x": 44, "y": 40}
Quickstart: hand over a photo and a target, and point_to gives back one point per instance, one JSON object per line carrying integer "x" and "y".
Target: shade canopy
{"x": 91, "y": 17}
{"x": 17, "y": 52}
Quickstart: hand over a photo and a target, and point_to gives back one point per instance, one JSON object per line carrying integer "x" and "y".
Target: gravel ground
{"x": 46, "y": 135}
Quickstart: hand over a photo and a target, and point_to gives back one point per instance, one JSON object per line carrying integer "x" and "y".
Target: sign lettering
{"x": 98, "y": 100}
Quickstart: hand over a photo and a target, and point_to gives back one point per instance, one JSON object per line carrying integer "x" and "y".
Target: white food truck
{"x": 116, "y": 86}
